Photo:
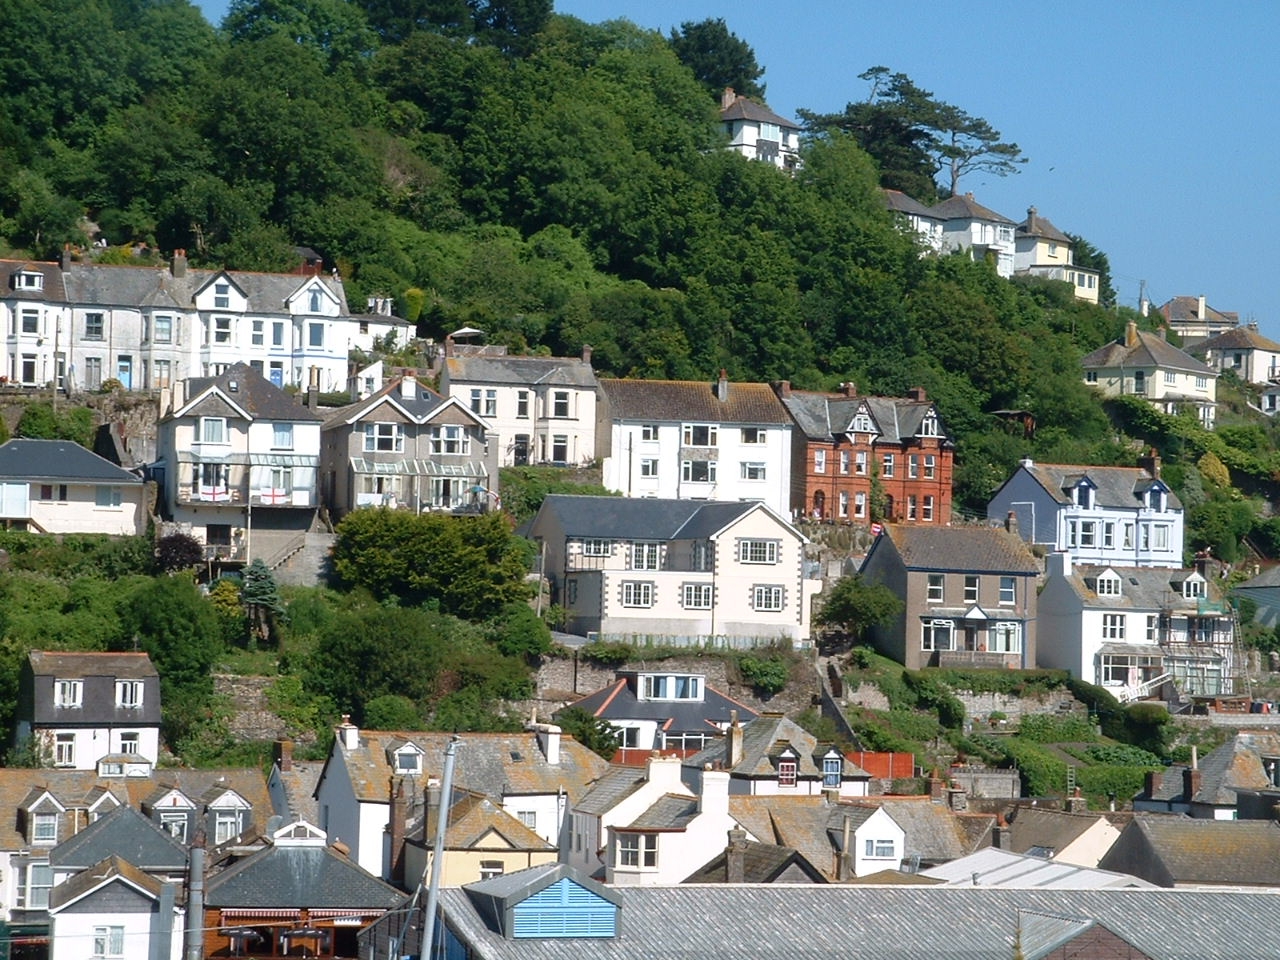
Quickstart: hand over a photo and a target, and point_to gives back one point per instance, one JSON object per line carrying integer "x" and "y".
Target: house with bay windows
{"x": 688, "y": 440}
{"x": 408, "y": 447}
{"x": 237, "y": 464}
{"x": 542, "y": 409}
{"x": 1126, "y": 516}
{"x": 849, "y": 449}
{"x": 80, "y": 324}
{"x": 1138, "y": 631}
{"x": 1144, "y": 364}
{"x": 969, "y": 596}
{"x": 675, "y": 571}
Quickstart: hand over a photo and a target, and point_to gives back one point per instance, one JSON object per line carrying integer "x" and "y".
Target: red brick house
{"x": 869, "y": 459}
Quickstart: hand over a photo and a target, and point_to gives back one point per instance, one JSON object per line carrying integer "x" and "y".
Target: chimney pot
{"x": 727, "y": 98}
{"x": 722, "y": 386}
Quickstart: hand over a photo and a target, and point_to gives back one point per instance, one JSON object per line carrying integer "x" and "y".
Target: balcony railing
{"x": 224, "y": 551}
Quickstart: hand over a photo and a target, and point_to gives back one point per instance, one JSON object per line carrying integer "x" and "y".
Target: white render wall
{"x": 94, "y": 743}
{"x": 80, "y": 512}
{"x": 71, "y": 934}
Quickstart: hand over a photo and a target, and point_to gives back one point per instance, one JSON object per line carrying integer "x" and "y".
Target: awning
{"x": 274, "y": 913}
{"x": 418, "y": 468}
{"x": 209, "y": 456}
{"x": 283, "y": 460}
{"x": 372, "y": 912}
{"x": 1131, "y": 650}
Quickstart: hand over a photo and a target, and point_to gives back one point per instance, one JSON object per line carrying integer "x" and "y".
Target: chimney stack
{"x": 313, "y": 388}
{"x": 784, "y": 389}
{"x": 1011, "y": 523}
{"x": 586, "y": 353}
{"x": 735, "y": 856}
{"x": 957, "y": 798}
{"x": 66, "y": 257}
{"x": 1155, "y": 780}
{"x": 1191, "y": 776}
{"x": 395, "y": 831}
{"x": 727, "y": 98}
{"x": 935, "y": 785}
{"x": 548, "y": 740}
{"x": 284, "y": 755}
{"x": 733, "y": 741}
{"x": 1150, "y": 462}
{"x": 408, "y": 387}
{"x": 348, "y": 733}
{"x": 179, "y": 264}
{"x": 722, "y": 386}
{"x": 917, "y": 394}
{"x": 1000, "y": 838}
{"x": 448, "y": 347}
{"x": 1131, "y": 334}
{"x": 194, "y": 939}
{"x": 714, "y": 798}
{"x": 1200, "y": 308}
{"x": 1077, "y": 803}
{"x": 844, "y": 870}
{"x": 1031, "y": 220}
{"x": 849, "y": 389}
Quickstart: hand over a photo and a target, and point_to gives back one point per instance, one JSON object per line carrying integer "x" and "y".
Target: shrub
{"x": 178, "y": 551}
{"x": 767, "y": 675}
{"x": 1044, "y": 728}
{"x": 606, "y": 653}
{"x": 1121, "y": 754}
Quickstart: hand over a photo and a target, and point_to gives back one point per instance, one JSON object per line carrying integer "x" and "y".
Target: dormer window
{"x": 831, "y": 770}
{"x": 787, "y": 771}
{"x": 227, "y": 824}
{"x": 44, "y": 828}
{"x": 670, "y": 687}
{"x": 315, "y": 300}
{"x": 862, "y": 424}
{"x": 408, "y": 761}
{"x": 1109, "y": 585}
{"x": 1193, "y": 589}
{"x": 1156, "y": 499}
{"x": 129, "y": 694}
{"x": 68, "y": 693}
{"x": 1083, "y": 496}
{"x": 222, "y": 295}
{"x": 28, "y": 280}
{"x": 929, "y": 425}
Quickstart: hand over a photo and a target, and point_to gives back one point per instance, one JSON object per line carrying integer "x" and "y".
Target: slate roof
{"x": 60, "y": 461}
{"x": 1042, "y": 228}
{"x": 614, "y": 786}
{"x": 763, "y": 739}
{"x": 419, "y": 406}
{"x": 1236, "y": 763}
{"x": 670, "y": 812}
{"x": 889, "y": 923}
{"x": 486, "y": 762}
{"x": 254, "y": 394}
{"x": 559, "y": 371}
{"x": 899, "y": 202}
{"x": 761, "y": 863}
{"x": 743, "y": 108}
{"x": 812, "y": 826}
{"x": 54, "y": 290}
{"x": 823, "y": 416}
{"x": 1237, "y": 338}
{"x": 299, "y": 876}
{"x": 299, "y": 785}
{"x": 99, "y": 875}
{"x": 67, "y": 665}
{"x": 1187, "y": 310}
{"x": 972, "y": 549}
{"x": 1117, "y": 487}
{"x": 1052, "y": 829}
{"x": 1141, "y": 588}
{"x": 123, "y": 833}
{"x": 1269, "y": 577}
{"x": 1150, "y": 350}
{"x": 643, "y": 518}
{"x": 1242, "y": 852}
{"x": 474, "y": 817}
{"x": 618, "y": 701}
{"x": 990, "y": 867}
{"x": 683, "y": 401}
{"x": 964, "y": 207}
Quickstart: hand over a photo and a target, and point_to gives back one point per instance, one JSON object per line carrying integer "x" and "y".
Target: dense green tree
{"x": 261, "y": 599}
{"x": 518, "y": 631}
{"x": 335, "y": 28}
{"x": 855, "y": 606}
{"x": 595, "y": 733}
{"x": 1085, "y": 254}
{"x": 718, "y": 57}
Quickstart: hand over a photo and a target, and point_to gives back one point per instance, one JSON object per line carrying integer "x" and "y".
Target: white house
{"x": 758, "y": 133}
{"x": 968, "y": 225}
{"x": 1192, "y": 319}
{"x": 673, "y": 837}
{"x": 1126, "y": 516}
{"x": 1133, "y": 629}
{"x": 542, "y": 409}
{"x": 114, "y": 910}
{"x": 921, "y": 220}
{"x": 1143, "y": 364}
{"x": 685, "y": 571}
{"x": 237, "y": 463}
{"x": 57, "y": 486}
{"x": 688, "y": 440}
{"x": 1244, "y": 351}
{"x": 80, "y": 324}
{"x": 1042, "y": 250}
{"x": 536, "y": 776}
{"x": 618, "y": 797}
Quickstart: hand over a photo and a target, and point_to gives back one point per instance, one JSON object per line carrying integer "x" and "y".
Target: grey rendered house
{"x": 407, "y": 446}
{"x": 969, "y": 596}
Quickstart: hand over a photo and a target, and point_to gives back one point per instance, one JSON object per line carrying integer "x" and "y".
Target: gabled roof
{"x": 934, "y": 832}
{"x": 743, "y": 108}
{"x": 420, "y": 407}
{"x": 521, "y": 371}
{"x": 53, "y": 290}
{"x": 1246, "y": 337}
{"x": 684, "y": 401}
{"x": 1147, "y": 350}
{"x": 764, "y": 739}
{"x": 60, "y": 461}
{"x": 1052, "y": 829}
{"x": 812, "y": 826}
{"x": 1243, "y": 852}
{"x": 964, "y": 207}
{"x": 72, "y": 665}
{"x": 1115, "y": 487}
{"x": 299, "y": 876}
{"x": 488, "y": 762}
{"x": 1038, "y": 226}
{"x": 823, "y": 416}
{"x": 245, "y": 388}
{"x": 494, "y": 898}
{"x": 1236, "y": 763}
{"x": 761, "y": 863}
{"x": 473, "y": 822}
{"x": 618, "y": 701}
{"x": 1187, "y": 310}
{"x": 971, "y": 549}
{"x": 1141, "y": 588}
{"x": 124, "y": 833}
{"x": 646, "y": 518}
{"x": 107, "y": 871}
{"x": 899, "y": 202}
{"x": 612, "y": 788}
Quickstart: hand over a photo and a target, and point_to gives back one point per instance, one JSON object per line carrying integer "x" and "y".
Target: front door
{"x": 124, "y": 371}
{"x": 521, "y": 452}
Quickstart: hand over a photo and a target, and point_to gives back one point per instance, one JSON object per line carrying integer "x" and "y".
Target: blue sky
{"x": 1149, "y": 126}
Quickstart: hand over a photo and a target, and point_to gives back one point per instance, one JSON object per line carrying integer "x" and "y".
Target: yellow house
{"x": 1146, "y": 365}
{"x": 1042, "y": 250}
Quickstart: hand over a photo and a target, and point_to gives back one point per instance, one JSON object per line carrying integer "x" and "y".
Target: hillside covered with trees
{"x": 557, "y": 183}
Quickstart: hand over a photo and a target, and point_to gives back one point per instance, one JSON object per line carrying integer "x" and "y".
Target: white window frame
{"x": 637, "y": 593}
{"x": 108, "y": 941}
{"x": 926, "y": 508}
{"x": 130, "y": 742}
{"x": 645, "y": 555}
{"x": 929, "y": 634}
{"x": 930, "y": 465}
{"x": 936, "y": 587}
{"x": 758, "y": 551}
{"x": 687, "y": 471}
{"x": 768, "y": 598}
{"x": 649, "y": 467}
{"x": 859, "y": 505}
{"x": 913, "y": 466}
{"x": 879, "y": 848}
{"x": 68, "y": 694}
{"x": 227, "y": 824}
{"x": 64, "y": 750}
{"x": 213, "y": 430}
{"x": 648, "y": 431}
{"x": 1113, "y": 626}
{"x": 698, "y": 596}
{"x": 819, "y": 461}
{"x": 596, "y": 547}
{"x": 384, "y": 437}
{"x": 752, "y": 470}
{"x": 788, "y": 772}
{"x": 1005, "y": 636}
{"x": 754, "y": 435}
{"x": 887, "y": 465}
{"x": 129, "y": 694}
{"x": 1008, "y": 591}
{"x": 282, "y": 436}
{"x": 972, "y": 587}
{"x": 1109, "y": 585}
{"x": 637, "y": 850}
{"x": 845, "y": 460}
{"x": 860, "y": 463}
{"x": 690, "y": 431}
{"x": 44, "y": 829}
